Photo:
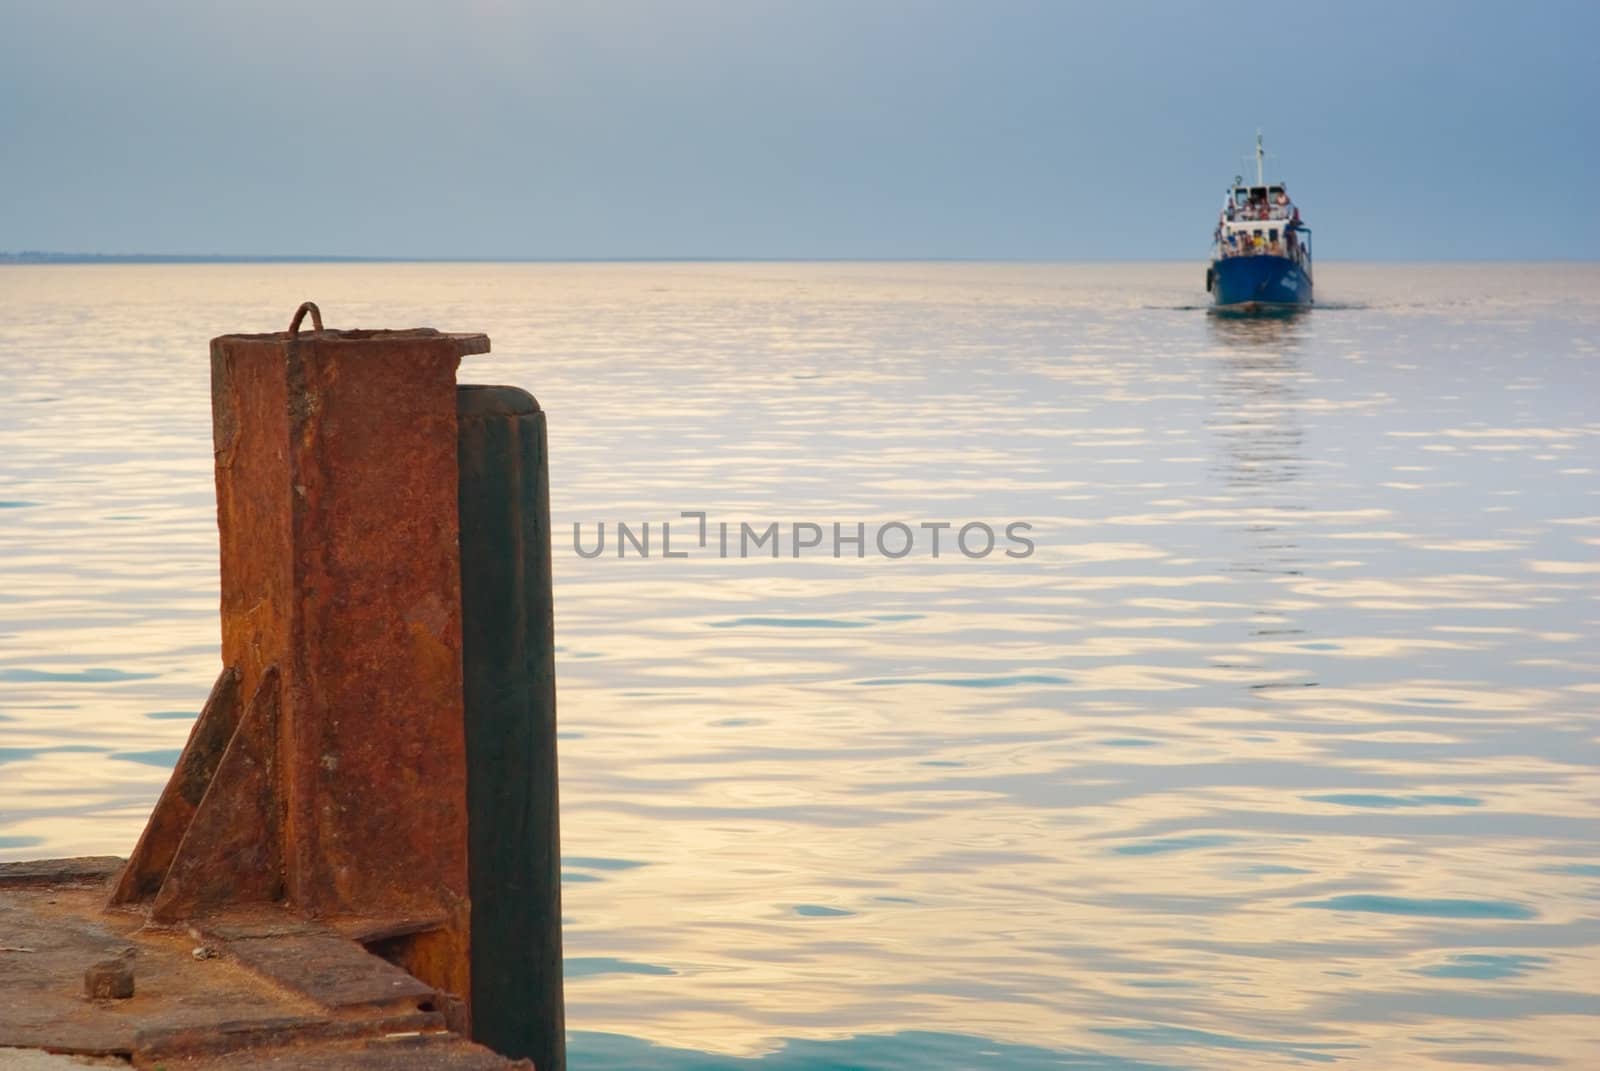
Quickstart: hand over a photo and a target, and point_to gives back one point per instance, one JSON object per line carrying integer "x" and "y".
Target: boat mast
{"x": 1260, "y": 156}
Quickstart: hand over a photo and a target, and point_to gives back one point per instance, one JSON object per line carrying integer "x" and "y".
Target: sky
{"x": 988, "y": 129}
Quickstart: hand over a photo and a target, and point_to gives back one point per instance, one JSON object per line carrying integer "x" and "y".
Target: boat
{"x": 1261, "y": 249}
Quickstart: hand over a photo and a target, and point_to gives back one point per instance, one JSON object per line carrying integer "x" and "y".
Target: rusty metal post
{"x": 329, "y": 767}
{"x": 315, "y": 837}
{"x": 509, "y": 646}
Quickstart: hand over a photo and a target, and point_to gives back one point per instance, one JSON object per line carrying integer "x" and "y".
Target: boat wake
{"x": 1321, "y": 306}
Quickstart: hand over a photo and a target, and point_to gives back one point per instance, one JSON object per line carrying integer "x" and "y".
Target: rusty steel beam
{"x": 340, "y": 787}
{"x": 302, "y": 895}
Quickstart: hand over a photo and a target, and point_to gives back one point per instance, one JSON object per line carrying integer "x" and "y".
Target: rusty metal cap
{"x": 464, "y": 343}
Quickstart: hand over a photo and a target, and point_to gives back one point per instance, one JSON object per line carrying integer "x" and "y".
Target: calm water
{"x": 1280, "y": 750}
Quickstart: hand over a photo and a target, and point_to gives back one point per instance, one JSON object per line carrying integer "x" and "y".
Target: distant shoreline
{"x": 34, "y": 257}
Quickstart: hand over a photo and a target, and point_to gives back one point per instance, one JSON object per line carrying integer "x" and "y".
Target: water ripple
{"x": 1279, "y": 750}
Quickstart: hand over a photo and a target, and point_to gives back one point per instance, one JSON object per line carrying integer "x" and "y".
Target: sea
{"x": 1264, "y": 734}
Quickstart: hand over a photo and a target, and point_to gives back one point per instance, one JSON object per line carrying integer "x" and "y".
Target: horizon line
{"x": 44, "y": 257}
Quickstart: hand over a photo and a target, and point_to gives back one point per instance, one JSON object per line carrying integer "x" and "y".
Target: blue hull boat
{"x": 1262, "y": 282}
{"x": 1261, "y": 250}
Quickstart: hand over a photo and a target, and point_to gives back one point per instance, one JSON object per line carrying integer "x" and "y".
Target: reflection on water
{"x": 1257, "y": 399}
{"x": 1279, "y": 750}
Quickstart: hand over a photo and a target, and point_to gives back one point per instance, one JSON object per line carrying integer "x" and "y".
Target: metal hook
{"x": 300, "y": 314}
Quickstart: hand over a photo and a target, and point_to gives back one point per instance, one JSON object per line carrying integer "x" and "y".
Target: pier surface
{"x": 255, "y": 988}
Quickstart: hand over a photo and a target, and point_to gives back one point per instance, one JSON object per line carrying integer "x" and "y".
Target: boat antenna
{"x": 1261, "y": 155}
